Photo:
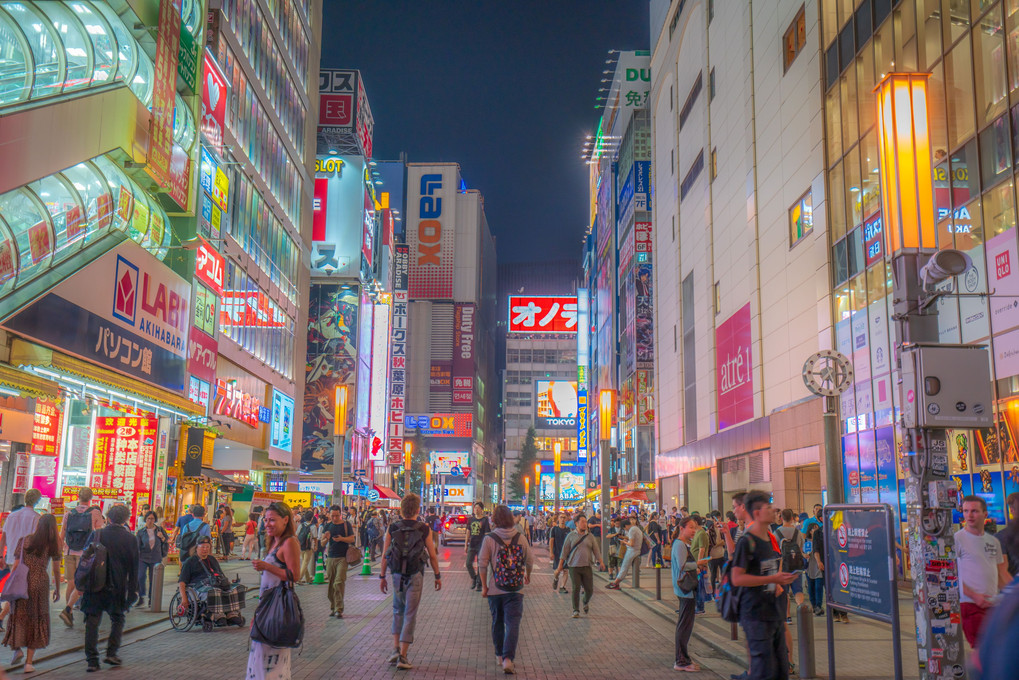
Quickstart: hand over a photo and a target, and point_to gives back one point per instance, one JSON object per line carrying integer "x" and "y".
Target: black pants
{"x": 582, "y": 577}
{"x": 715, "y": 565}
{"x": 684, "y": 628}
{"x": 769, "y": 658}
{"x": 92, "y": 635}
{"x": 472, "y": 556}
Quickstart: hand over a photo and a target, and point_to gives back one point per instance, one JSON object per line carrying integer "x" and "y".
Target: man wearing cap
{"x": 202, "y": 573}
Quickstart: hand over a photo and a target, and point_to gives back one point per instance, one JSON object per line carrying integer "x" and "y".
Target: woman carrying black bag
{"x": 282, "y": 561}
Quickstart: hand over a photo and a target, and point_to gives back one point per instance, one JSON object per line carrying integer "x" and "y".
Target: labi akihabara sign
{"x": 555, "y": 405}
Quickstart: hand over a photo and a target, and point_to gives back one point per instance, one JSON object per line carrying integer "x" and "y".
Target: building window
{"x": 672, "y": 95}
{"x": 718, "y": 297}
{"x": 801, "y": 220}
{"x": 795, "y": 39}
{"x": 691, "y": 175}
{"x": 673, "y": 228}
{"x": 711, "y": 84}
{"x": 672, "y": 161}
{"x": 711, "y": 11}
{"x": 714, "y": 163}
{"x": 691, "y": 99}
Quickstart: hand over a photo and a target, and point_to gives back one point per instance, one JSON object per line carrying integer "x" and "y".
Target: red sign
{"x": 233, "y": 403}
{"x": 39, "y": 241}
{"x": 318, "y": 206}
{"x": 463, "y": 353}
{"x": 164, "y": 91}
{"x": 202, "y": 353}
{"x": 642, "y": 236}
{"x": 209, "y": 266}
{"x": 252, "y": 309}
{"x": 180, "y": 177}
{"x": 20, "y": 473}
{"x": 46, "y": 429}
{"x": 542, "y": 314}
{"x": 335, "y": 110}
{"x": 734, "y": 372}
{"x": 214, "y": 96}
{"x": 124, "y": 457}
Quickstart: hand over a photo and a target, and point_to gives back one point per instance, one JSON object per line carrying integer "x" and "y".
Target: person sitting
{"x": 223, "y": 600}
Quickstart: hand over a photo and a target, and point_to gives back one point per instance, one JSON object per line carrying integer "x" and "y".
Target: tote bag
{"x": 16, "y": 583}
{"x": 279, "y": 620}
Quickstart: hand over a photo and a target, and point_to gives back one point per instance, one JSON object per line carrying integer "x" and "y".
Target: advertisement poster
{"x": 282, "y": 427}
{"x": 645, "y": 323}
{"x": 868, "y": 467}
{"x": 555, "y": 405}
{"x": 337, "y": 231}
{"x": 886, "y": 480}
{"x": 1003, "y": 279}
{"x": 542, "y": 314}
{"x": 46, "y": 429}
{"x": 851, "y": 468}
{"x": 571, "y": 486}
{"x": 463, "y": 353}
{"x": 125, "y": 448}
{"x": 431, "y": 229}
{"x": 332, "y": 361}
{"x": 444, "y": 461}
{"x": 734, "y": 369}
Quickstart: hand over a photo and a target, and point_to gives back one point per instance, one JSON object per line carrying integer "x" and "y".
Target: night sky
{"x": 506, "y": 89}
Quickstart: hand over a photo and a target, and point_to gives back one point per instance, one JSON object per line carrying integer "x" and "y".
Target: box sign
{"x": 555, "y": 405}
{"x": 164, "y": 92}
{"x": 440, "y": 424}
{"x": 282, "y": 425}
{"x": 379, "y": 398}
{"x": 125, "y": 310}
{"x": 46, "y": 429}
{"x": 124, "y": 457}
{"x": 431, "y": 230}
{"x": 859, "y": 560}
{"x": 233, "y": 403}
{"x": 209, "y": 266}
{"x": 582, "y": 424}
{"x": 542, "y": 314}
{"x": 734, "y": 369}
{"x": 398, "y": 354}
{"x": 459, "y": 493}
{"x": 251, "y": 309}
{"x": 203, "y": 353}
{"x": 214, "y": 98}
{"x": 344, "y": 112}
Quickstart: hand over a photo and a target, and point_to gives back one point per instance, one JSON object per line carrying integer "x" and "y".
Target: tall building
{"x": 151, "y": 255}
{"x": 741, "y": 276}
{"x": 451, "y": 386}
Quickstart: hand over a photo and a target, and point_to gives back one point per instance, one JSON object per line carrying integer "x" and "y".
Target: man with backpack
{"x": 580, "y": 551}
{"x": 337, "y": 536}
{"x": 79, "y": 523}
{"x": 756, "y": 572}
{"x": 408, "y": 544}
{"x": 307, "y": 540}
{"x": 506, "y": 549}
{"x": 634, "y": 542}
{"x": 109, "y": 586}
{"x": 191, "y": 531}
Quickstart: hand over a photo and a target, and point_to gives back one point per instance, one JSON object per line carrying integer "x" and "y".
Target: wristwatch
{"x": 382, "y": 577}
{"x": 438, "y": 576}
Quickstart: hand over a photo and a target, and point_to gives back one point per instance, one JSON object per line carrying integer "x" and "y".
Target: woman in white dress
{"x": 284, "y": 552}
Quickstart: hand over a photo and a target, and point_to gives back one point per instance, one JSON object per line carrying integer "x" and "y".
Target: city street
{"x": 621, "y": 636}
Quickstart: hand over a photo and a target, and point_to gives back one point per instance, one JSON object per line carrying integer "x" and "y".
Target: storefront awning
{"x": 27, "y": 384}
{"x": 637, "y": 495}
{"x": 385, "y": 493}
{"x": 52, "y": 364}
{"x": 223, "y": 481}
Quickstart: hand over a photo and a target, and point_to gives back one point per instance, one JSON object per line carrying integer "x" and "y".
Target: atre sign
{"x": 734, "y": 369}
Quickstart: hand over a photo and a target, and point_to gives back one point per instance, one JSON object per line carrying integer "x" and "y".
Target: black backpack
{"x": 79, "y": 528}
{"x": 188, "y": 539}
{"x": 91, "y": 574}
{"x": 792, "y": 555}
{"x": 407, "y": 550}
{"x": 304, "y": 537}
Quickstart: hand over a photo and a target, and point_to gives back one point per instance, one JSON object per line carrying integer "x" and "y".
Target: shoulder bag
{"x": 279, "y": 619}
{"x": 16, "y": 586}
{"x": 353, "y": 553}
{"x": 688, "y": 577}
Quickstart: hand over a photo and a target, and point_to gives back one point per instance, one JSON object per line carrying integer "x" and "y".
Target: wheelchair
{"x": 183, "y": 621}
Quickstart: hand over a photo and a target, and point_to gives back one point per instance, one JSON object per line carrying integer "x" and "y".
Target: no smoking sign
{"x": 844, "y": 575}
{"x": 843, "y": 537}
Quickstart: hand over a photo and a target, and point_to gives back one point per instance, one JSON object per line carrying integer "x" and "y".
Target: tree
{"x": 525, "y": 467}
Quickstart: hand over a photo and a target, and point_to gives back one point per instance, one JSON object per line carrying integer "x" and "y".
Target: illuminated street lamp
{"x": 407, "y": 446}
{"x": 339, "y": 435}
{"x": 527, "y": 491}
{"x": 427, "y": 482}
{"x": 537, "y": 483}
{"x": 557, "y": 466}
{"x": 606, "y": 406}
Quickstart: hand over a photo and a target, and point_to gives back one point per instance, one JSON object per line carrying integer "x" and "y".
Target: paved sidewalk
{"x": 863, "y": 647}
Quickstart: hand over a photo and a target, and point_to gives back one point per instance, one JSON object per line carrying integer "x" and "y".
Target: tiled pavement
{"x": 621, "y": 638}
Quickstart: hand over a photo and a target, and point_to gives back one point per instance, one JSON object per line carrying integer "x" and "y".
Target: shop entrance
{"x": 698, "y": 491}
{"x": 803, "y": 487}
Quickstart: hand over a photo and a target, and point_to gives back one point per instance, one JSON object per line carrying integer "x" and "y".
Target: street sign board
{"x": 373, "y": 496}
{"x": 358, "y": 486}
{"x": 456, "y": 471}
{"x": 360, "y": 473}
{"x": 859, "y": 559}
{"x": 466, "y": 471}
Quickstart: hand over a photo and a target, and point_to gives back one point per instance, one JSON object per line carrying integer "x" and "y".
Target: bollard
{"x": 658, "y": 581}
{"x": 156, "y": 601}
{"x": 635, "y": 565}
{"x": 805, "y": 640}
{"x": 733, "y": 631}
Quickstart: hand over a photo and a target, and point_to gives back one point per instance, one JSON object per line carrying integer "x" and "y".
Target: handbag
{"x": 16, "y": 583}
{"x": 216, "y": 580}
{"x": 353, "y": 556}
{"x": 688, "y": 579}
{"x": 279, "y": 619}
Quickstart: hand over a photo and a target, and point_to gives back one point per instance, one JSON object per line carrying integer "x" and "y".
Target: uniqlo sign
{"x": 1002, "y": 265}
{"x": 209, "y": 266}
{"x": 542, "y": 314}
{"x": 734, "y": 369}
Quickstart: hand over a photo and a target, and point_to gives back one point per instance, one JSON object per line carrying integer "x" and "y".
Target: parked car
{"x": 454, "y": 528}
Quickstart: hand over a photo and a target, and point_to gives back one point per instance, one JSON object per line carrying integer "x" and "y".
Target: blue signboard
{"x": 642, "y": 186}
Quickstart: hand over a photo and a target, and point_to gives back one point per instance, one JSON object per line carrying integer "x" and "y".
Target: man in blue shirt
{"x": 682, "y": 561}
{"x": 814, "y": 521}
{"x": 197, "y": 524}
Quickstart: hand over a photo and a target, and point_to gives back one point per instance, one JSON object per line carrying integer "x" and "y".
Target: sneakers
{"x": 65, "y": 616}
{"x": 612, "y": 586}
{"x": 113, "y": 660}
{"x": 689, "y": 668}
{"x": 29, "y": 668}
{"x": 576, "y": 614}
{"x": 92, "y": 668}
{"x": 498, "y": 662}
{"x": 563, "y": 591}
{"x": 18, "y": 656}
{"x": 507, "y": 667}
{"x": 403, "y": 664}
{"x": 586, "y": 608}
{"x": 394, "y": 657}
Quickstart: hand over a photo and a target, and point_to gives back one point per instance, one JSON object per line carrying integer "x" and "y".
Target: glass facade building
{"x": 968, "y": 47}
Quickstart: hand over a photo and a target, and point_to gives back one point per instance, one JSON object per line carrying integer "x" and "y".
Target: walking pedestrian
{"x": 78, "y": 525}
{"x": 634, "y": 541}
{"x": 512, "y": 560}
{"x": 250, "y": 545}
{"x": 756, "y": 572}
{"x": 153, "y": 547}
{"x": 407, "y": 547}
{"x": 683, "y": 563}
{"x": 815, "y": 569}
{"x": 983, "y": 571}
{"x": 29, "y": 626}
{"x": 580, "y": 551}
{"x": 281, "y": 560}
{"x": 192, "y": 530}
{"x": 20, "y": 524}
{"x": 1008, "y": 536}
{"x": 614, "y": 534}
{"x": 120, "y": 591}
{"x": 556, "y": 539}
{"x": 307, "y": 539}
{"x": 478, "y": 527}
{"x": 337, "y": 536}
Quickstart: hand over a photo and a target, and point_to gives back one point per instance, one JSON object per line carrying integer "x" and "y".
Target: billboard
{"x": 398, "y": 354}
{"x": 282, "y": 426}
{"x": 439, "y": 424}
{"x": 344, "y": 115}
{"x": 463, "y": 353}
{"x": 332, "y": 362}
{"x": 572, "y": 485}
{"x": 431, "y": 229}
{"x": 542, "y": 314}
{"x": 555, "y": 405}
{"x": 377, "y": 418}
{"x": 338, "y": 216}
{"x": 444, "y": 461}
{"x": 214, "y": 101}
{"x": 734, "y": 369}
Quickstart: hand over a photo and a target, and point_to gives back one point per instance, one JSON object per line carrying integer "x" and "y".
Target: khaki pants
{"x": 307, "y": 565}
{"x": 336, "y": 580}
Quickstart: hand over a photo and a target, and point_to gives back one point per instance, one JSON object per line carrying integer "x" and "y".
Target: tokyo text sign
{"x": 734, "y": 373}
{"x": 542, "y": 314}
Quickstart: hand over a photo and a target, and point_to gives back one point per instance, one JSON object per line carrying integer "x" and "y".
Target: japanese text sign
{"x": 398, "y": 354}
{"x": 209, "y": 266}
{"x": 164, "y": 91}
{"x": 859, "y": 561}
{"x": 124, "y": 457}
{"x": 542, "y": 314}
{"x": 46, "y": 429}
{"x": 233, "y": 403}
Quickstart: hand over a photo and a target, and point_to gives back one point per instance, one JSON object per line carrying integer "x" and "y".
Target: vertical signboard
{"x": 214, "y": 98}
{"x": 164, "y": 91}
{"x": 282, "y": 426}
{"x": 734, "y": 369}
{"x": 463, "y": 354}
{"x": 124, "y": 457}
{"x": 46, "y": 429}
{"x": 581, "y": 423}
{"x": 398, "y": 354}
{"x": 339, "y": 216}
{"x": 431, "y": 229}
{"x": 378, "y": 413}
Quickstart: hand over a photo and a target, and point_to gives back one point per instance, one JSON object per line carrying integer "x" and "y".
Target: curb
{"x": 724, "y": 651}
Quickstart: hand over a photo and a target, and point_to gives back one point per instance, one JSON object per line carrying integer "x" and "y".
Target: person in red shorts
{"x": 983, "y": 571}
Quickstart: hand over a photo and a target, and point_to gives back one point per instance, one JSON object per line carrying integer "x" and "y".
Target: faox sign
{"x": 542, "y": 314}
{"x": 431, "y": 202}
{"x": 734, "y": 369}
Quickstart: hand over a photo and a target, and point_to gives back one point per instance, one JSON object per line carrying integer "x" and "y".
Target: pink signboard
{"x": 463, "y": 353}
{"x": 734, "y": 369}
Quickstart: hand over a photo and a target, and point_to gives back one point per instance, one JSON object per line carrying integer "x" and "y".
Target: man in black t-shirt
{"x": 337, "y": 536}
{"x": 756, "y": 572}
{"x": 556, "y": 541}
{"x": 477, "y": 527}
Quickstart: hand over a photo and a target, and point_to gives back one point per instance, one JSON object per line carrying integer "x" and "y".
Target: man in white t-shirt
{"x": 983, "y": 570}
{"x": 634, "y": 541}
{"x": 19, "y": 524}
